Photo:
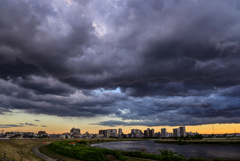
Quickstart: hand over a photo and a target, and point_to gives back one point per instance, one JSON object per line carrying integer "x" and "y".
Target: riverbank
{"x": 47, "y": 151}
{"x": 80, "y": 150}
{"x": 22, "y": 148}
{"x": 17, "y": 149}
{"x": 207, "y": 151}
{"x": 200, "y": 142}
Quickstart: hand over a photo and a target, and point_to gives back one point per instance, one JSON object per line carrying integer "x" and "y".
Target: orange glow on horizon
{"x": 59, "y": 125}
{"x": 202, "y": 129}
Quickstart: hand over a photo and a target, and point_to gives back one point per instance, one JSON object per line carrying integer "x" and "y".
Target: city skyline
{"x": 100, "y": 64}
{"x": 116, "y": 133}
{"x": 63, "y": 128}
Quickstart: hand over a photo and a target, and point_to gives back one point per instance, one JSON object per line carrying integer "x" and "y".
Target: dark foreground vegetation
{"x": 81, "y": 150}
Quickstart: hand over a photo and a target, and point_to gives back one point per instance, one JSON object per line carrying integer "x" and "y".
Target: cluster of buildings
{"x": 109, "y": 133}
{"x": 137, "y": 133}
{"x": 23, "y": 134}
{"x": 39, "y": 134}
{"x": 149, "y": 133}
{"x": 116, "y": 133}
{"x": 222, "y": 135}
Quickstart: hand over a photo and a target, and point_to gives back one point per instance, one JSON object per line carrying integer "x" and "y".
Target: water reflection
{"x": 207, "y": 151}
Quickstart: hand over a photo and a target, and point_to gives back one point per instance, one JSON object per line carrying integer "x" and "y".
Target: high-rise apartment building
{"x": 146, "y": 133}
{"x": 105, "y": 133}
{"x": 164, "y": 132}
{"x": 182, "y": 131}
{"x": 176, "y": 132}
{"x": 109, "y": 133}
{"x": 120, "y": 133}
{"x": 137, "y": 133}
{"x": 75, "y": 131}
{"x": 112, "y": 132}
{"x": 151, "y": 133}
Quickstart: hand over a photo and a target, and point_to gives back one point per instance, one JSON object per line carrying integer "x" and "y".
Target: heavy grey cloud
{"x": 149, "y": 61}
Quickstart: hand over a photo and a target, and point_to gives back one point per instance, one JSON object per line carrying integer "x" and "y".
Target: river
{"x": 207, "y": 151}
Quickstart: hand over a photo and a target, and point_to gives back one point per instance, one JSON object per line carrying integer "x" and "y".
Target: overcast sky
{"x": 148, "y": 62}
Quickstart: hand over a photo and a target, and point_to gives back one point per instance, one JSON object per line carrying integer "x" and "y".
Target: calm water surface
{"x": 207, "y": 151}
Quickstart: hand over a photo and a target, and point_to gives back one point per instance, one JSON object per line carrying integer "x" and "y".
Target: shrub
{"x": 82, "y": 142}
{"x": 79, "y": 151}
{"x": 167, "y": 152}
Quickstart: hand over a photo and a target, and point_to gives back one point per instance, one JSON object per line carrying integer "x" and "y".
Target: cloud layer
{"x": 166, "y": 62}
{"x": 19, "y": 125}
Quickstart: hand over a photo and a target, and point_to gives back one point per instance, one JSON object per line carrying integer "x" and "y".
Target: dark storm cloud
{"x": 37, "y": 120}
{"x": 46, "y": 85}
{"x": 148, "y": 63}
{"x": 176, "y": 122}
{"x": 17, "y": 68}
{"x": 74, "y": 104}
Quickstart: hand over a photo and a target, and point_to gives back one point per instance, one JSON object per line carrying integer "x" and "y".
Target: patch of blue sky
{"x": 102, "y": 90}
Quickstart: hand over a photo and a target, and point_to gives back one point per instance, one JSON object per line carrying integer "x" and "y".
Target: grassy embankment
{"x": 17, "y": 149}
{"x": 59, "y": 157}
{"x": 21, "y": 148}
{"x": 199, "y": 142}
{"x": 81, "y": 150}
{"x": 47, "y": 150}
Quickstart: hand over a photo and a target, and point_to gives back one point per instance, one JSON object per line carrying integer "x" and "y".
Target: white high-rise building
{"x": 109, "y": 133}
{"x": 112, "y": 132}
{"x": 164, "y": 132}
